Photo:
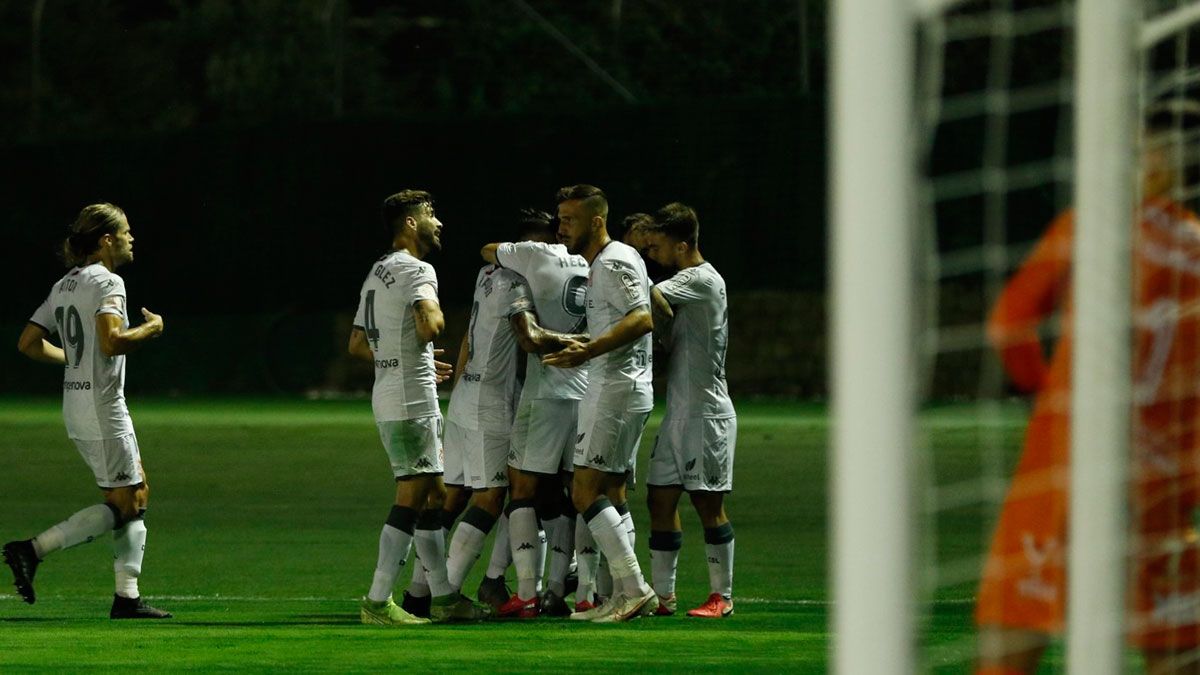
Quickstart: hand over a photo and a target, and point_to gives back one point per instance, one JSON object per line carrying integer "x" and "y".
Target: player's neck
{"x": 409, "y": 247}
{"x": 98, "y": 257}
{"x": 692, "y": 259}
{"x": 597, "y": 244}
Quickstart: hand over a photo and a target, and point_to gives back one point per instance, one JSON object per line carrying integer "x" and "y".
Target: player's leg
{"x": 718, "y": 547}
{"x": 403, "y": 442}
{"x": 467, "y": 544}
{"x": 707, "y": 483}
{"x": 524, "y": 537}
{"x": 1021, "y": 600}
{"x": 23, "y": 557}
{"x": 666, "y": 539}
{"x": 1010, "y": 651}
{"x": 484, "y": 468}
{"x": 493, "y": 588}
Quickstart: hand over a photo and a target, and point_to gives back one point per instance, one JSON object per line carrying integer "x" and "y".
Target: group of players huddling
{"x": 560, "y": 442}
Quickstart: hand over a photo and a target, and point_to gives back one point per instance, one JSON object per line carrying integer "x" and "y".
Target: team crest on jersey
{"x": 629, "y": 284}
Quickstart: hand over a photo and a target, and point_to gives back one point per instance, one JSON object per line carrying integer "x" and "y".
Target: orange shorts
{"x": 1024, "y": 582}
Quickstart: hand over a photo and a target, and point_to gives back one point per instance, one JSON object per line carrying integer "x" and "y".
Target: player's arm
{"x": 33, "y": 343}
{"x": 534, "y": 339}
{"x": 661, "y": 312}
{"x": 489, "y": 252}
{"x": 464, "y": 351}
{"x": 1028, "y": 299}
{"x": 358, "y": 347}
{"x": 632, "y": 326}
{"x": 429, "y": 320}
{"x": 115, "y": 339}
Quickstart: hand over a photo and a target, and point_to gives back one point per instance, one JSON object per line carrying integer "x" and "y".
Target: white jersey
{"x": 699, "y": 336}
{"x": 618, "y": 284}
{"x": 487, "y": 387}
{"x": 93, "y": 384}
{"x": 405, "y": 387}
{"x": 556, "y": 282}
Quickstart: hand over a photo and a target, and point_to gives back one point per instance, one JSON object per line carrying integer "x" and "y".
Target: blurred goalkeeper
{"x": 1022, "y": 595}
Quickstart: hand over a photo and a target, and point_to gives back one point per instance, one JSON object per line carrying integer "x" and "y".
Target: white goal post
{"x": 873, "y": 255}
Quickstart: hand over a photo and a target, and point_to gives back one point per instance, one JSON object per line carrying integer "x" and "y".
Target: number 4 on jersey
{"x": 369, "y": 319}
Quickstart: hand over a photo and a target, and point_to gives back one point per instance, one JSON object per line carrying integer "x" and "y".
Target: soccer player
{"x": 87, "y": 310}
{"x": 397, "y": 320}
{"x": 1022, "y": 594}
{"x": 550, "y": 316}
{"x": 619, "y": 394}
{"x": 694, "y": 449}
{"x": 480, "y": 417}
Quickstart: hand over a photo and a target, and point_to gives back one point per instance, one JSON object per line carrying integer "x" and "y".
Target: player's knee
{"x": 710, "y": 506}
{"x": 125, "y": 504}
{"x": 491, "y": 501}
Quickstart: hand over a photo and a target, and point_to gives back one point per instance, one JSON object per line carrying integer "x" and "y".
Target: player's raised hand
{"x": 154, "y": 321}
{"x": 442, "y": 371}
{"x": 574, "y": 354}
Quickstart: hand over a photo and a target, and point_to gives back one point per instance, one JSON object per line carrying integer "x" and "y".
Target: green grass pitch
{"x": 264, "y": 524}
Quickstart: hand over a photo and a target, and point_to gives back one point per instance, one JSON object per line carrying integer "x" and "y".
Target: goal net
{"x": 1021, "y": 147}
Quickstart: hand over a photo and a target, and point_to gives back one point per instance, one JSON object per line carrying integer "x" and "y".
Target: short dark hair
{"x": 93, "y": 222}
{"x": 636, "y": 221}
{"x": 591, "y": 196}
{"x": 535, "y": 221}
{"x": 678, "y": 221}
{"x": 403, "y": 204}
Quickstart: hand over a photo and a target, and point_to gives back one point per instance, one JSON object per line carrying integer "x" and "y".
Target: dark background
{"x": 252, "y": 142}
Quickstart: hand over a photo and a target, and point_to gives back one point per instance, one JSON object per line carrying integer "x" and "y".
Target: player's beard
{"x": 430, "y": 241}
{"x": 580, "y": 243}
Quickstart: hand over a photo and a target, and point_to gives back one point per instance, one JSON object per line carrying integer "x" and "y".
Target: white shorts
{"x": 543, "y": 436}
{"x": 115, "y": 462}
{"x": 608, "y": 439}
{"x": 696, "y": 453}
{"x": 414, "y": 446}
{"x": 476, "y": 458}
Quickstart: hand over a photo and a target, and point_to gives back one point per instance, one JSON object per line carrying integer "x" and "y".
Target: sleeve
{"x": 424, "y": 284}
{"x": 622, "y": 286}
{"x": 517, "y": 296}
{"x": 518, "y": 256}
{"x": 685, "y": 287}
{"x": 43, "y": 317}
{"x": 1030, "y": 297}
{"x": 112, "y": 297}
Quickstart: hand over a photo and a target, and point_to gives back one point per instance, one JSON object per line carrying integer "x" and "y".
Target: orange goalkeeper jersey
{"x": 1024, "y": 581}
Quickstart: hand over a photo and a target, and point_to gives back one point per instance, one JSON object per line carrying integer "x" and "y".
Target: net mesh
{"x": 994, "y": 102}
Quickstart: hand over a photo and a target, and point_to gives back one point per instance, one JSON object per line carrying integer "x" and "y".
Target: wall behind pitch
{"x": 242, "y": 234}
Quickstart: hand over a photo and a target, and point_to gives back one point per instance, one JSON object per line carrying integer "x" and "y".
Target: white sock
{"x": 431, "y": 545}
{"x": 82, "y": 527}
{"x": 524, "y": 542}
{"x": 129, "y": 547}
{"x": 560, "y": 534}
{"x": 467, "y": 544}
{"x": 604, "y": 580}
{"x": 418, "y": 587}
{"x": 718, "y": 548}
{"x": 611, "y": 534}
{"x": 393, "y": 552}
{"x": 627, "y": 521}
{"x": 664, "y": 560}
{"x": 587, "y": 560}
{"x": 542, "y": 550}
{"x": 501, "y": 555}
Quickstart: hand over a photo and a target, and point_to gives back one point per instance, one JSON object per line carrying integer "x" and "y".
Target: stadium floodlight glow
{"x": 872, "y": 237}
